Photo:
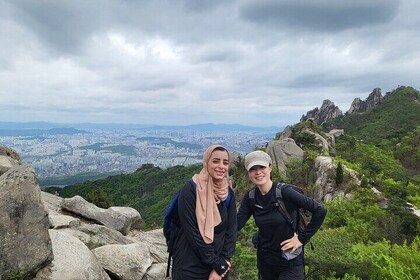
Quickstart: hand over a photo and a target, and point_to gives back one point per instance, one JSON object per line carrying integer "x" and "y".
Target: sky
{"x": 181, "y": 62}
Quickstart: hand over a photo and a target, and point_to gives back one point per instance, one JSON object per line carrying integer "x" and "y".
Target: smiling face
{"x": 260, "y": 175}
{"x": 218, "y": 165}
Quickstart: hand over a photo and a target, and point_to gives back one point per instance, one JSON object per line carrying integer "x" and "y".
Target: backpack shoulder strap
{"x": 228, "y": 199}
{"x": 281, "y": 206}
{"x": 251, "y": 197}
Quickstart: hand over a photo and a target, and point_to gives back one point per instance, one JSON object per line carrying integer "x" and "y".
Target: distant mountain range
{"x": 46, "y": 128}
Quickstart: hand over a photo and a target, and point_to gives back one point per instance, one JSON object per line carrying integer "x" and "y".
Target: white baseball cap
{"x": 257, "y": 158}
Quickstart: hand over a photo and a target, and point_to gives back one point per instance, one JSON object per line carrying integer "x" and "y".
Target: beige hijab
{"x": 209, "y": 194}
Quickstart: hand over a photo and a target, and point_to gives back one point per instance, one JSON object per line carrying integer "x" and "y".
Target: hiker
{"x": 279, "y": 245}
{"x": 207, "y": 236}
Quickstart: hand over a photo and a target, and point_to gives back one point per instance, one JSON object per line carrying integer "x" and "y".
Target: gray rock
{"x": 283, "y": 151}
{"x": 24, "y": 241}
{"x": 72, "y": 260}
{"x": 125, "y": 262}
{"x": 52, "y": 202}
{"x": 101, "y": 235}
{"x": 132, "y": 215}
{"x": 58, "y": 221}
{"x": 156, "y": 242}
{"x": 107, "y": 217}
{"x": 5, "y": 164}
{"x": 156, "y": 272}
{"x": 5, "y": 151}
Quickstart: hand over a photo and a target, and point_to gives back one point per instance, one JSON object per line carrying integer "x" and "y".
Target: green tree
{"x": 100, "y": 198}
{"x": 339, "y": 175}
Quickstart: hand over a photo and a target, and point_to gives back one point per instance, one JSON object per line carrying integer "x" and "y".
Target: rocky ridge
{"x": 329, "y": 111}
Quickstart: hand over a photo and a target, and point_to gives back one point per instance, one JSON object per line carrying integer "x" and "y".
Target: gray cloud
{"x": 320, "y": 15}
{"x": 177, "y": 62}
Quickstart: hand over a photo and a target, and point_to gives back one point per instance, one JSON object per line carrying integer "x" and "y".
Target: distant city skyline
{"x": 71, "y": 152}
{"x": 247, "y": 62}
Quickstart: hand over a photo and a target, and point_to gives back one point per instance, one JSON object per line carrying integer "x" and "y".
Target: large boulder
{"x": 72, "y": 260}
{"x": 156, "y": 242}
{"x": 133, "y": 216}
{"x": 124, "y": 262}
{"x": 25, "y": 244}
{"x": 283, "y": 151}
{"x": 108, "y": 217}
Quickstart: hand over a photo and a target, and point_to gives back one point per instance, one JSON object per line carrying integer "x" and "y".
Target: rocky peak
{"x": 359, "y": 106}
{"x": 327, "y": 112}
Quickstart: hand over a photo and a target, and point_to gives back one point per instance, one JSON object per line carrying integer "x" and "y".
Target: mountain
{"x": 35, "y": 132}
{"x": 39, "y": 127}
{"x": 396, "y": 115}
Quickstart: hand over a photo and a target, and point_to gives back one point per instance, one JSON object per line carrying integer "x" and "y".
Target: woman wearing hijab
{"x": 279, "y": 246}
{"x": 207, "y": 237}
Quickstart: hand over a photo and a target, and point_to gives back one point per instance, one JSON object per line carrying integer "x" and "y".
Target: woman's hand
{"x": 291, "y": 244}
{"x": 214, "y": 276}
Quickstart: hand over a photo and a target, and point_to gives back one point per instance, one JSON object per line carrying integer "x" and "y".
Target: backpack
{"x": 171, "y": 223}
{"x": 302, "y": 220}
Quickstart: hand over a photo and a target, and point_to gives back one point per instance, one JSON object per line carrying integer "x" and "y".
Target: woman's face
{"x": 260, "y": 175}
{"x": 218, "y": 165}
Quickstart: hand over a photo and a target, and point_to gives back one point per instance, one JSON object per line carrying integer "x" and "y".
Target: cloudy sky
{"x": 250, "y": 62}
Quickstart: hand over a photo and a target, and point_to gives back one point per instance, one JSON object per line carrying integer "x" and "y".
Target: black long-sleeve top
{"x": 192, "y": 257}
{"x": 273, "y": 227}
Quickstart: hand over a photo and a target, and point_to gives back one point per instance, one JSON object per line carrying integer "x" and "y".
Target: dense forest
{"x": 360, "y": 238}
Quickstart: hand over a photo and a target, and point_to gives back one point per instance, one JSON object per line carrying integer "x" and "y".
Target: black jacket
{"x": 192, "y": 257}
{"x": 273, "y": 227}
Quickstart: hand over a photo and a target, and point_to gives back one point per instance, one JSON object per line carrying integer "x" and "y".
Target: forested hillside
{"x": 149, "y": 190}
{"x": 360, "y": 238}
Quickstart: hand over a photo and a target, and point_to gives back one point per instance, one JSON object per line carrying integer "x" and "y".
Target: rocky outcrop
{"x": 359, "y": 106}
{"x": 124, "y": 262}
{"x": 326, "y": 169}
{"x": 283, "y": 151}
{"x": 72, "y": 260}
{"x": 286, "y": 133}
{"x": 332, "y": 136}
{"x": 45, "y": 237}
{"x": 327, "y": 112}
{"x": 25, "y": 245}
{"x": 120, "y": 219}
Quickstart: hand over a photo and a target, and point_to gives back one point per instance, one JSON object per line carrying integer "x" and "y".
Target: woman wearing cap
{"x": 207, "y": 237}
{"x": 279, "y": 246}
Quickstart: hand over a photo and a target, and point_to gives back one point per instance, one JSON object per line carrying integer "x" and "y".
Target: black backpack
{"x": 171, "y": 223}
{"x": 302, "y": 220}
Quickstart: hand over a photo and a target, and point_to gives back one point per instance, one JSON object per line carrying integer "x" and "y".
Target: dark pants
{"x": 270, "y": 270}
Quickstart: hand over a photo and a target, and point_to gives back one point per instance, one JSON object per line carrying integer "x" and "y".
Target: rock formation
{"x": 45, "y": 237}
{"x": 283, "y": 151}
{"x": 327, "y": 112}
{"x": 359, "y": 106}
{"x": 25, "y": 245}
